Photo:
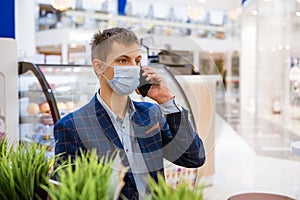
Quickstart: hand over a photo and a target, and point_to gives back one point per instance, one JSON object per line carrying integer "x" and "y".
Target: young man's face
{"x": 121, "y": 55}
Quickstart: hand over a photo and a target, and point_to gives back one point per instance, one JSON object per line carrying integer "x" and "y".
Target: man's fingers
{"x": 154, "y": 78}
{"x": 149, "y": 72}
{"x": 137, "y": 91}
{"x": 152, "y": 75}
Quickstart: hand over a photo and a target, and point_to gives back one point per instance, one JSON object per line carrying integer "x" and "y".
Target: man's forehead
{"x": 118, "y": 49}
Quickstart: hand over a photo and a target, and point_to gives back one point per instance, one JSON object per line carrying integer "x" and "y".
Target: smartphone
{"x": 144, "y": 85}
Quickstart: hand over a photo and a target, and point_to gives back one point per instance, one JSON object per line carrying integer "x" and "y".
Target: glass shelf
{"x": 131, "y": 19}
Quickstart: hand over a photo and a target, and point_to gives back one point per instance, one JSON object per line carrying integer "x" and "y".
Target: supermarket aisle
{"x": 240, "y": 169}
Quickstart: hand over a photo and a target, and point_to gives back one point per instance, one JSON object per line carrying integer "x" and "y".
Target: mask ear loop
{"x": 104, "y": 76}
{"x": 106, "y": 66}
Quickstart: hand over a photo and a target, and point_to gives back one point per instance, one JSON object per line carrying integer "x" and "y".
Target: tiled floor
{"x": 253, "y": 155}
{"x": 240, "y": 168}
{"x": 267, "y": 135}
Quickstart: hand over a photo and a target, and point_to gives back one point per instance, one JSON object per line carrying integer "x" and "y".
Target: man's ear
{"x": 98, "y": 68}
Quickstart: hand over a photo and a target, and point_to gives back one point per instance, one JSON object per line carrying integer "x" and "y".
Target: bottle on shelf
{"x": 150, "y": 13}
{"x": 171, "y": 15}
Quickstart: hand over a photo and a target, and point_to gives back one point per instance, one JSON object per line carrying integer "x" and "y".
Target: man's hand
{"x": 159, "y": 90}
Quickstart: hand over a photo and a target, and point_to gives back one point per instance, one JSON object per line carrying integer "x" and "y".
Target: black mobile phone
{"x": 144, "y": 85}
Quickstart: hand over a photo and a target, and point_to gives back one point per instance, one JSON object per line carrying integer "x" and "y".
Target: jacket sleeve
{"x": 181, "y": 143}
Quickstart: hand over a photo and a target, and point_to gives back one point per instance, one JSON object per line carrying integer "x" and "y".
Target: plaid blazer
{"x": 171, "y": 137}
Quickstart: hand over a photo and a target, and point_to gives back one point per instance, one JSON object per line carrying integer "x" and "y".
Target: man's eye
{"x": 138, "y": 62}
{"x": 122, "y": 61}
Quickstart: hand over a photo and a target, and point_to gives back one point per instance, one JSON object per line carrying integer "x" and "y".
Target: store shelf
{"x": 36, "y": 96}
{"x": 131, "y": 19}
{"x": 29, "y": 119}
{"x": 179, "y": 35}
{"x": 44, "y": 119}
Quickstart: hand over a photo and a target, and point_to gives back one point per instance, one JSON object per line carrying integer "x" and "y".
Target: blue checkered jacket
{"x": 159, "y": 136}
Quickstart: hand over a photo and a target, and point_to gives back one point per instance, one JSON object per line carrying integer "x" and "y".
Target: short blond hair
{"x": 102, "y": 42}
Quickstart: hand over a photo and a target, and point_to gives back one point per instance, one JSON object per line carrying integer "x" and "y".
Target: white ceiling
{"x": 209, "y": 4}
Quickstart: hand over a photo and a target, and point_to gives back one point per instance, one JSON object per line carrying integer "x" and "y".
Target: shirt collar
{"x": 130, "y": 108}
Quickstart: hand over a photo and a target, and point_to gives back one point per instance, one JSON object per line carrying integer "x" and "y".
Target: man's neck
{"x": 117, "y": 103}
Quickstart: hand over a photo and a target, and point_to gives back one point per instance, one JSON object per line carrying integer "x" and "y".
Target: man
{"x": 144, "y": 133}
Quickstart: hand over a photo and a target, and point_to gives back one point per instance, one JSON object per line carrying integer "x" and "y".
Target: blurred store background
{"x": 240, "y": 56}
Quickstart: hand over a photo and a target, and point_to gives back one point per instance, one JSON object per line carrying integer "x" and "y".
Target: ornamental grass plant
{"x": 23, "y": 169}
{"x": 162, "y": 191}
{"x": 86, "y": 178}
{"x": 25, "y": 173}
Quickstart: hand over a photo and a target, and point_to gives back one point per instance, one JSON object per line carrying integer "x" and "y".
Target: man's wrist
{"x": 171, "y": 106}
{"x": 164, "y": 99}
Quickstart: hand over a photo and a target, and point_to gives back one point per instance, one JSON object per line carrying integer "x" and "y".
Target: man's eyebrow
{"x": 122, "y": 56}
{"x": 127, "y": 56}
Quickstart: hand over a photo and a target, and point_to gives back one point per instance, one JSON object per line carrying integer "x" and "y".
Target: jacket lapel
{"x": 106, "y": 124}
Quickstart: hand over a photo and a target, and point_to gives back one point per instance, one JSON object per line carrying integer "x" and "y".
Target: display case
{"x": 56, "y": 90}
{"x": 37, "y": 107}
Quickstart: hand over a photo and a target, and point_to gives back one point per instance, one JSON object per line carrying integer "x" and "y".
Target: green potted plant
{"x": 23, "y": 169}
{"x": 161, "y": 191}
{"x": 87, "y": 178}
{"x": 91, "y": 179}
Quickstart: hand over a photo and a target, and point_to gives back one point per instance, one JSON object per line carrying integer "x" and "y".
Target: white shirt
{"x": 125, "y": 131}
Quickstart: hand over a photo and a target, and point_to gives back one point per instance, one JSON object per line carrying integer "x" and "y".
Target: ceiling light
{"x": 269, "y": 0}
{"x": 298, "y": 1}
{"x": 203, "y": 1}
{"x": 73, "y": 45}
{"x": 254, "y": 12}
{"x": 61, "y": 5}
{"x": 287, "y": 47}
{"x": 298, "y": 13}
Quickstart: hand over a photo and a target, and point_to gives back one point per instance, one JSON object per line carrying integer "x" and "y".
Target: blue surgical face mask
{"x": 126, "y": 79}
